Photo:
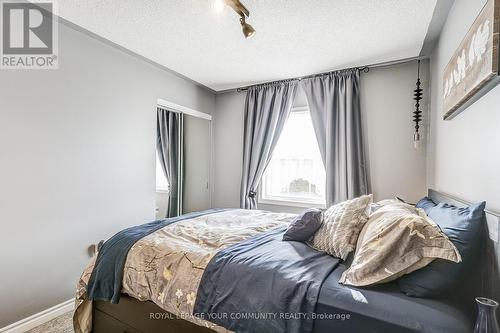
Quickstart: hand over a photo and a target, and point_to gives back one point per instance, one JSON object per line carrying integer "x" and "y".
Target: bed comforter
{"x": 166, "y": 266}
{"x": 264, "y": 285}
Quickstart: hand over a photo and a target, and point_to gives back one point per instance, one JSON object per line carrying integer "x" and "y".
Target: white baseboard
{"x": 40, "y": 318}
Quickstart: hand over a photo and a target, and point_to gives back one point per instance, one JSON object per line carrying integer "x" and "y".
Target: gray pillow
{"x": 465, "y": 228}
{"x": 426, "y": 204}
{"x": 304, "y": 226}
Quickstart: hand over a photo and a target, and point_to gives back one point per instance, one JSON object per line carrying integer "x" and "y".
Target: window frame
{"x": 289, "y": 202}
{"x": 165, "y": 190}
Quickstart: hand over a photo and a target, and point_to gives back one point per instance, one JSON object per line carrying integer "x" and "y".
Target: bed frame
{"x": 134, "y": 316}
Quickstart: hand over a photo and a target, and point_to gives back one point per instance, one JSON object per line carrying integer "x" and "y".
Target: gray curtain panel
{"x": 266, "y": 110}
{"x": 170, "y": 146}
{"x": 336, "y": 115}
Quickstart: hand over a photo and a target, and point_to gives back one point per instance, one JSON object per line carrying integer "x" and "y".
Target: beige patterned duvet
{"x": 166, "y": 267}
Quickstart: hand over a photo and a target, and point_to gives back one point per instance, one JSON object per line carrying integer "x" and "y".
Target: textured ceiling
{"x": 294, "y": 37}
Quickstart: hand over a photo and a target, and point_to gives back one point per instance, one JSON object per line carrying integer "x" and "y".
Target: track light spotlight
{"x": 241, "y": 10}
{"x": 248, "y": 30}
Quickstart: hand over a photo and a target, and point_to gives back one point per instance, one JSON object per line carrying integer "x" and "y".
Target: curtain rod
{"x": 364, "y": 69}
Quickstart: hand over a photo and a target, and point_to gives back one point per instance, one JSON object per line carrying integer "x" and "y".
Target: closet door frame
{"x": 195, "y": 113}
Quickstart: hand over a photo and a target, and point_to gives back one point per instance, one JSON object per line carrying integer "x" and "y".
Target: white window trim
{"x": 288, "y": 202}
{"x": 163, "y": 190}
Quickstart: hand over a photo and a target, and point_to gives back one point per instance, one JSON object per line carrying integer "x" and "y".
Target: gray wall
{"x": 396, "y": 168}
{"x": 464, "y": 157}
{"x": 228, "y": 145}
{"x": 77, "y": 163}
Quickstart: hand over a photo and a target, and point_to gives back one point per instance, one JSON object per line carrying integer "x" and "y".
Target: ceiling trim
{"x": 436, "y": 25}
{"x": 106, "y": 41}
{"x": 438, "y": 19}
{"x": 363, "y": 67}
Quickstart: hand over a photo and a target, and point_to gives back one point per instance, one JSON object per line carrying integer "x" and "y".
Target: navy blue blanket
{"x": 105, "y": 283}
{"x": 263, "y": 285}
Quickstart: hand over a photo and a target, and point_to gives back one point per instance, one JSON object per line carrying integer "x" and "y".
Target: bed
{"x": 337, "y": 308}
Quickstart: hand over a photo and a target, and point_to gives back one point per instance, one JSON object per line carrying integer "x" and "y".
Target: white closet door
{"x": 197, "y": 156}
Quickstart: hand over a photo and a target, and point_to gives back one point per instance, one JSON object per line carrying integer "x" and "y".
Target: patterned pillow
{"x": 398, "y": 239}
{"x": 377, "y": 205}
{"x": 341, "y": 226}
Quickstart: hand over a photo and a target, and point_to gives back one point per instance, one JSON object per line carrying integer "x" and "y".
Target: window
{"x": 161, "y": 180}
{"x": 296, "y": 174}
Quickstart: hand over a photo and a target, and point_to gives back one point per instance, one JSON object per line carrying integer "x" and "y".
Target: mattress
{"x": 385, "y": 309}
{"x": 166, "y": 266}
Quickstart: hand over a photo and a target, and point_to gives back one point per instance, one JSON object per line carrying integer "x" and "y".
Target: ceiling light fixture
{"x": 219, "y": 5}
{"x": 248, "y": 30}
{"x": 241, "y": 10}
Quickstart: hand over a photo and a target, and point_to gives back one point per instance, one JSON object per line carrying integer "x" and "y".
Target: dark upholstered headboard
{"x": 491, "y": 259}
